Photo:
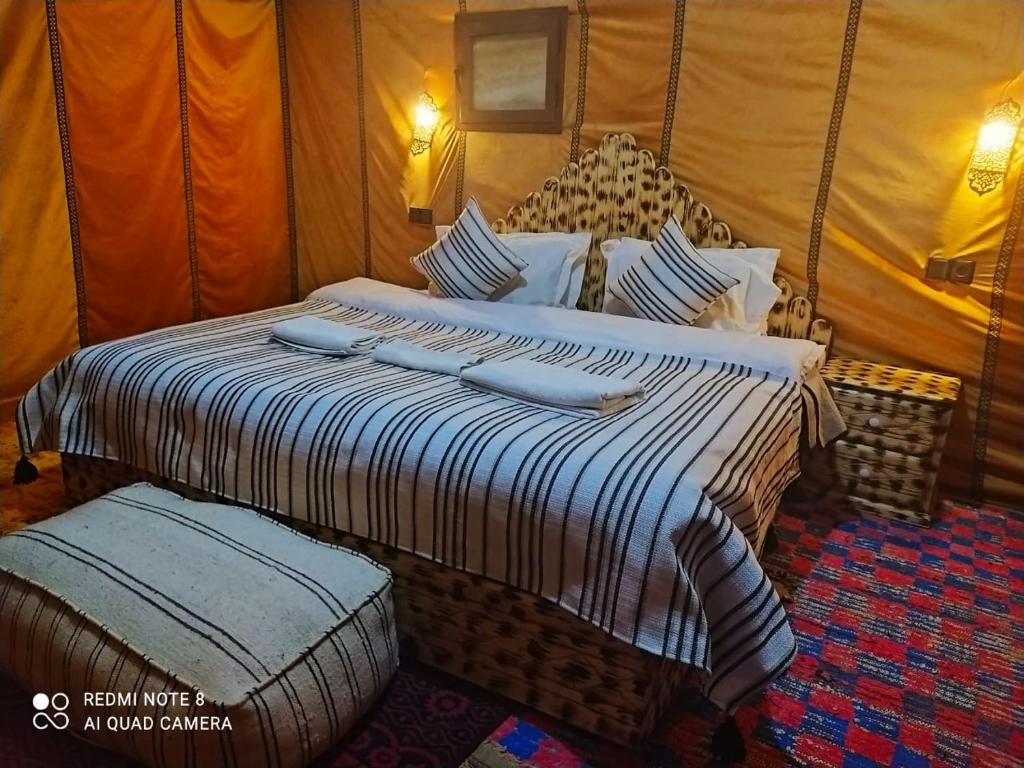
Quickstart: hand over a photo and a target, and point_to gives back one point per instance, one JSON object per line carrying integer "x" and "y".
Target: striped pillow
{"x": 671, "y": 282}
{"x": 470, "y": 262}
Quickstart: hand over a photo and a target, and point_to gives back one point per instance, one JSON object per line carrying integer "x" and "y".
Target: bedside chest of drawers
{"x": 897, "y": 419}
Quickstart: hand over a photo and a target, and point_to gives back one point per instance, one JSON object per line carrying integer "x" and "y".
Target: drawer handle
{"x": 863, "y": 472}
{"x": 874, "y": 422}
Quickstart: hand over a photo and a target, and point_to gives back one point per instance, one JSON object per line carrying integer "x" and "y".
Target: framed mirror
{"x": 510, "y": 70}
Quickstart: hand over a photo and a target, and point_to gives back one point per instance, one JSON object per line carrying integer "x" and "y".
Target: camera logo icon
{"x": 43, "y": 719}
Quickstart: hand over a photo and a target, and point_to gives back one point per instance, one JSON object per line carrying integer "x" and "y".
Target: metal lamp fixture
{"x": 991, "y": 157}
{"x": 426, "y": 122}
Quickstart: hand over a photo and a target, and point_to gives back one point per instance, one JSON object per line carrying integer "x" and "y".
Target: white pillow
{"x": 580, "y": 251}
{"x": 672, "y": 282}
{"x": 744, "y": 307}
{"x": 619, "y": 255}
{"x": 555, "y": 263}
{"x": 469, "y": 262}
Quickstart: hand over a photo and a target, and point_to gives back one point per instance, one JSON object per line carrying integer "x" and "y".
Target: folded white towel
{"x": 324, "y": 337}
{"x": 565, "y": 390}
{"x": 408, "y": 355}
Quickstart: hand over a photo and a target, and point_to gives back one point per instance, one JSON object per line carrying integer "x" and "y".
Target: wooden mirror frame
{"x": 548, "y": 22}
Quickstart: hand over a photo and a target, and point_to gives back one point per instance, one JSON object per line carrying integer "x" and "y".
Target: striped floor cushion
{"x": 187, "y": 634}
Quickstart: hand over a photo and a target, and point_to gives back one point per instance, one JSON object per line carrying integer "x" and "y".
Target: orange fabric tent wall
{"x": 838, "y": 130}
{"x": 148, "y": 155}
{"x": 145, "y": 171}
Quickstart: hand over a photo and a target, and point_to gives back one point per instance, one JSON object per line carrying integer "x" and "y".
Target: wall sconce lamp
{"x": 426, "y": 122}
{"x": 991, "y": 157}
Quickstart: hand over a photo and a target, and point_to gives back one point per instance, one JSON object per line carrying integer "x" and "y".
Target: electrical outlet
{"x": 421, "y": 215}
{"x": 950, "y": 270}
{"x": 937, "y": 268}
{"x": 961, "y": 271}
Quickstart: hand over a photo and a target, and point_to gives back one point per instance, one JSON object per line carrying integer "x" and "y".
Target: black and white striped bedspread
{"x": 641, "y": 522}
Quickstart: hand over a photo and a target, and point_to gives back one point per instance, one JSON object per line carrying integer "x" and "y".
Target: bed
{"x": 582, "y": 569}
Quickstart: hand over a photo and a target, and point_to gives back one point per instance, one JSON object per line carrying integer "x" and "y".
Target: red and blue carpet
{"x": 911, "y": 654}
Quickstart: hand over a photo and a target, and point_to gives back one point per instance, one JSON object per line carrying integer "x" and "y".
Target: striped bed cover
{"x": 643, "y": 523}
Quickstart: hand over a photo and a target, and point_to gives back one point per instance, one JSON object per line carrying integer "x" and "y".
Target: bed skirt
{"x": 501, "y": 638}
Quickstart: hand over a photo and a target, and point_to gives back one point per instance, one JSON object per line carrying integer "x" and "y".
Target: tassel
{"x": 727, "y": 744}
{"x": 25, "y": 471}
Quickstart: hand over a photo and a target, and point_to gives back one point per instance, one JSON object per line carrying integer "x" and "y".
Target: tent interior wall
{"x": 168, "y": 161}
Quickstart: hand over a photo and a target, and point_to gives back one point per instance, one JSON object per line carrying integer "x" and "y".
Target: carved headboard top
{"x": 618, "y": 190}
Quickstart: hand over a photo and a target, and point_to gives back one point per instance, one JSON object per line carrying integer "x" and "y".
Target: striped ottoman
{"x": 187, "y": 634}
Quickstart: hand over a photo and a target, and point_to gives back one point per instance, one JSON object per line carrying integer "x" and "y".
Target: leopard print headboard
{"x": 617, "y": 190}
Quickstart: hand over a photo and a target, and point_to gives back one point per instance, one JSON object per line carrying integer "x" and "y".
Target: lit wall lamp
{"x": 426, "y": 121}
{"x": 991, "y": 157}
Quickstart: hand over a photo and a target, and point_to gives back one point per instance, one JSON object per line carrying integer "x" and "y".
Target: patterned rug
{"x": 911, "y": 654}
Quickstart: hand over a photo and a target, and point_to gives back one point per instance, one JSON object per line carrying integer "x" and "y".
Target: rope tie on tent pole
{"x": 727, "y": 743}
{"x": 25, "y": 471}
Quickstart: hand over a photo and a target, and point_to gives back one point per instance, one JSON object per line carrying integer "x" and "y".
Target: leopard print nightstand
{"x": 897, "y": 420}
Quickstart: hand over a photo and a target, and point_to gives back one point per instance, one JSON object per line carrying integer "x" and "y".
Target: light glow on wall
{"x": 991, "y": 157}
{"x": 426, "y": 122}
